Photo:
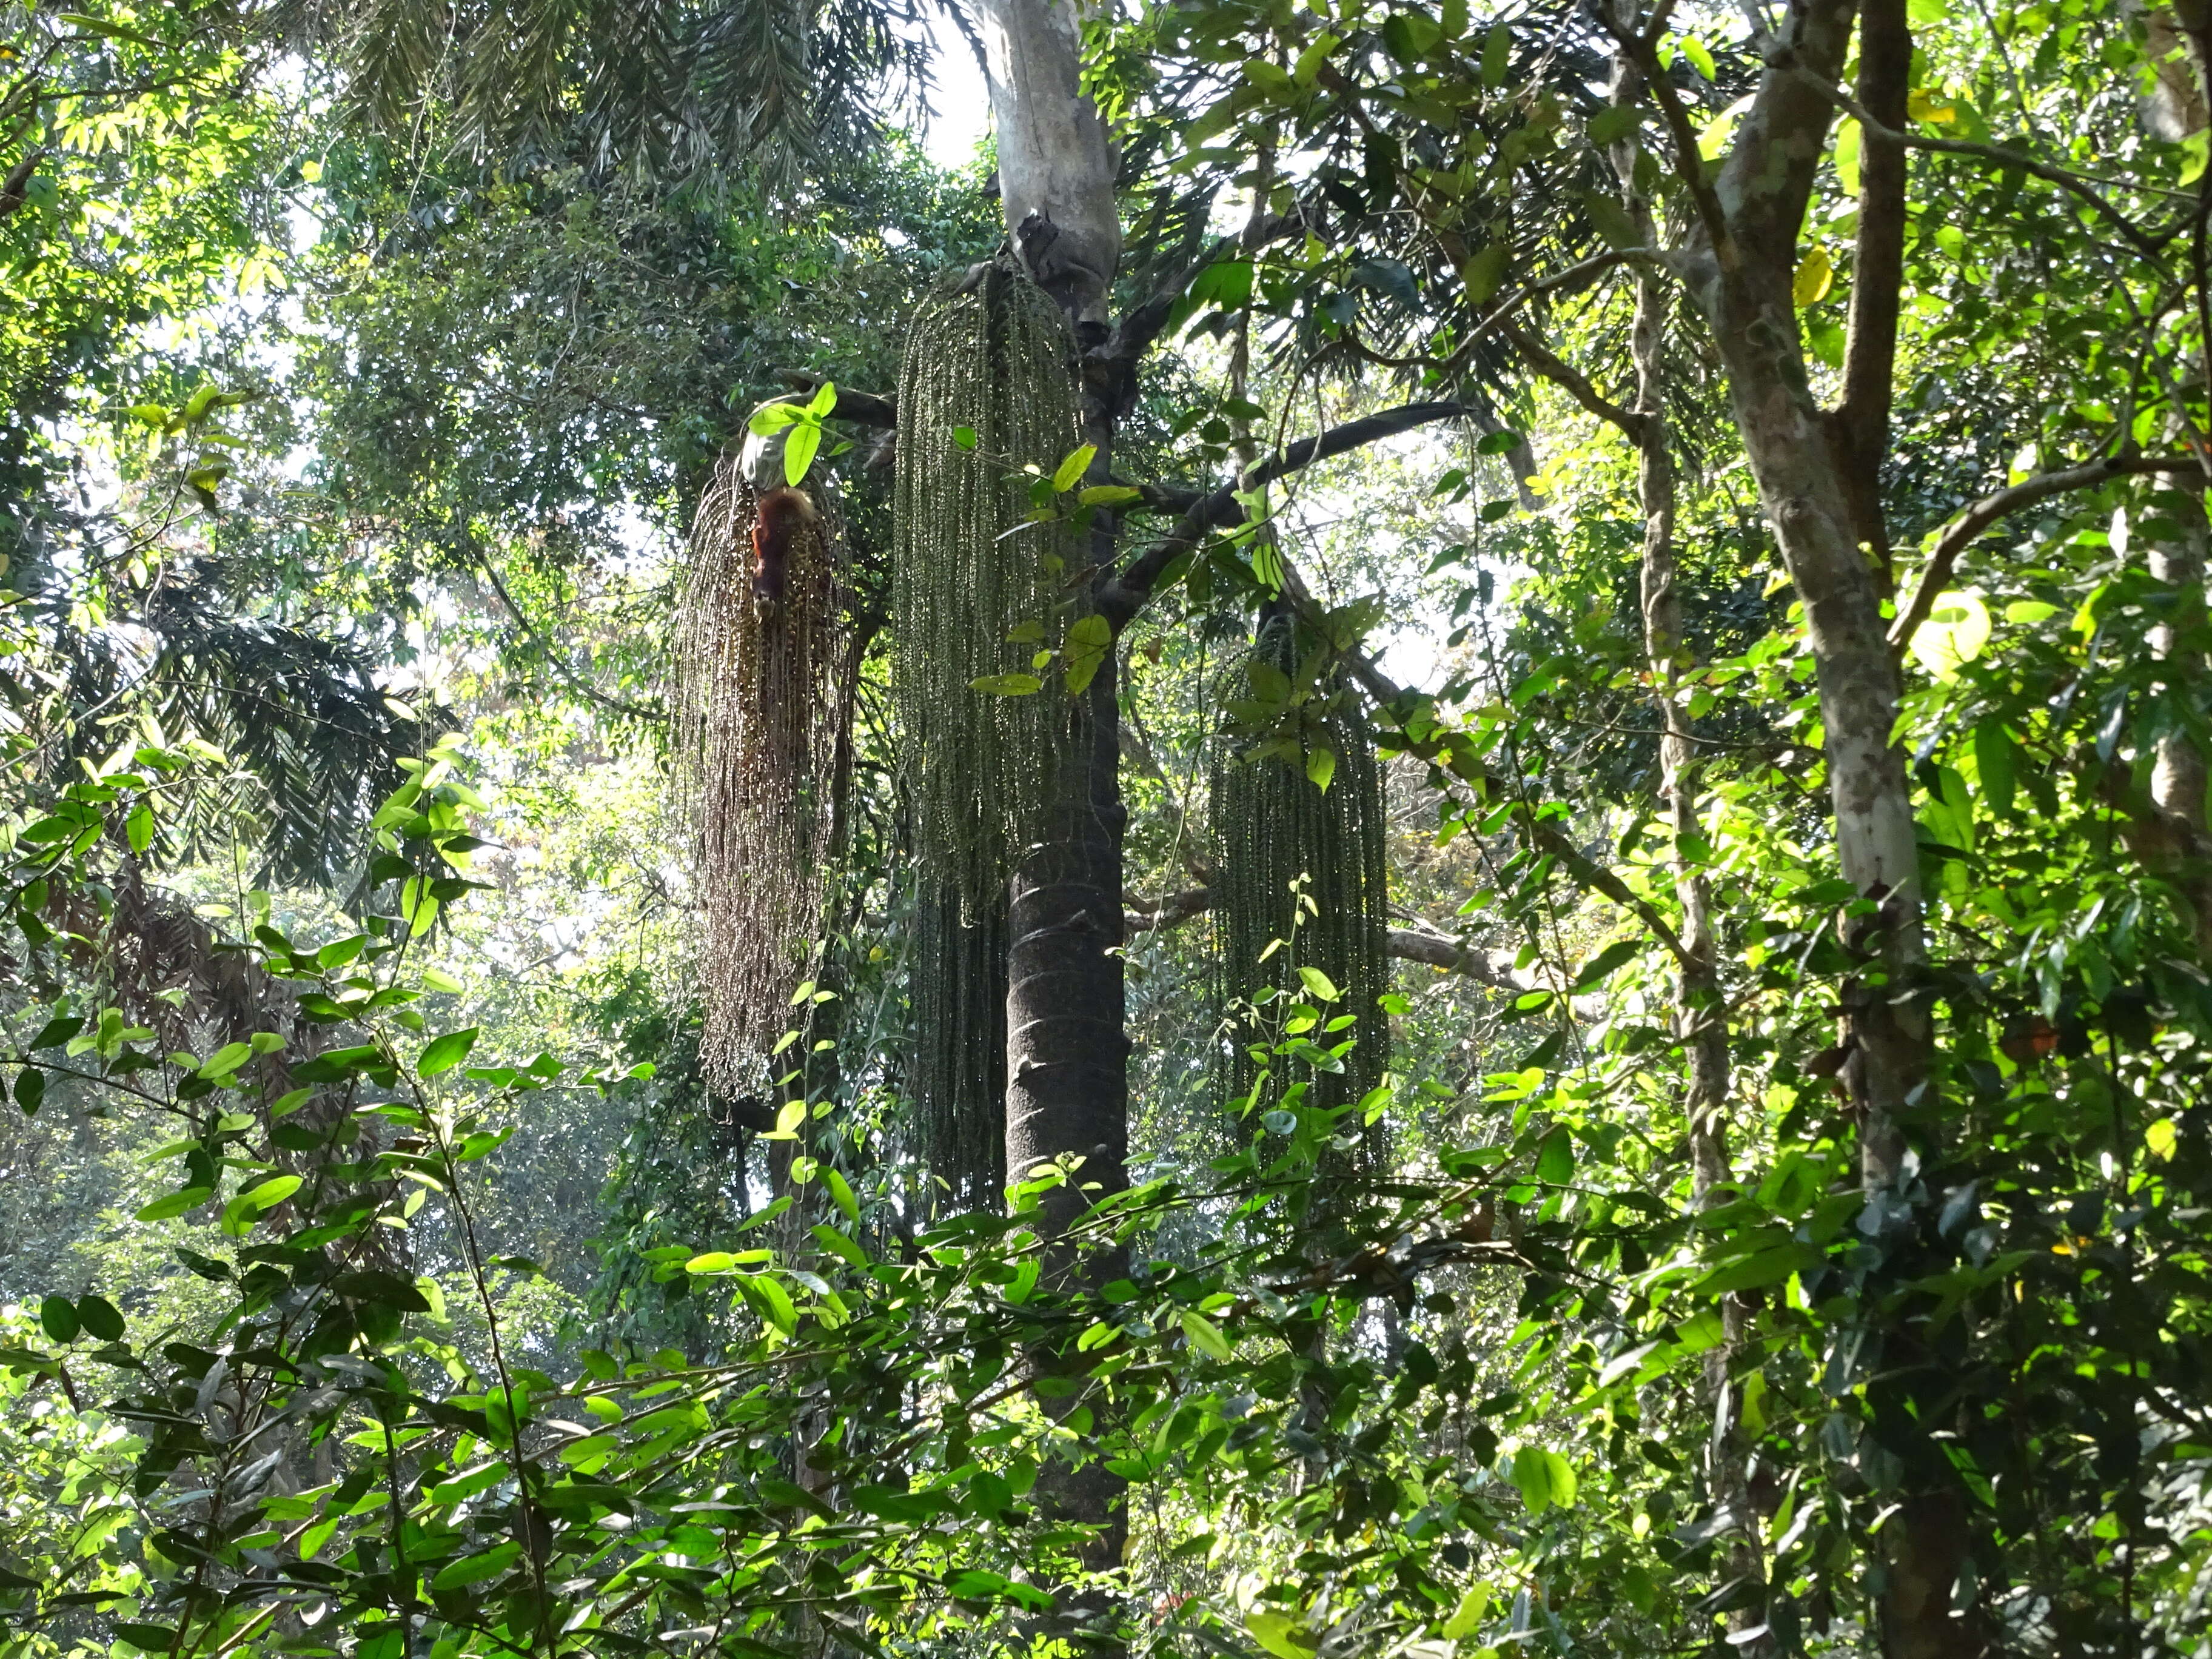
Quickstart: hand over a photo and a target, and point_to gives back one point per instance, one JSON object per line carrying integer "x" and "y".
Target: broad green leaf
{"x": 1006, "y": 686}
{"x": 1555, "y": 1156}
{"x": 771, "y": 418}
{"x": 102, "y": 1318}
{"x": 714, "y": 1261}
{"x": 1600, "y": 967}
{"x": 226, "y": 1060}
{"x": 1320, "y": 767}
{"x": 166, "y": 1209}
{"x": 1713, "y": 141}
{"x": 1996, "y": 765}
{"x": 1281, "y": 1635}
{"x": 1108, "y": 494}
{"x": 1847, "y": 156}
{"x": 2162, "y": 1138}
{"x": 444, "y": 1053}
{"x": 271, "y": 1192}
{"x": 1694, "y": 50}
{"x": 824, "y": 401}
{"x": 800, "y": 446}
{"x": 1088, "y": 639}
{"x": 1467, "y": 1617}
{"x": 1319, "y": 985}
{"x": 1496, "y": 56}
{"x": 58, "y": 1316}
{"x": 473, "y": 1569}
{"x": 1071, "y": 468}
{"x": 841, "y": 1193}
{"x": 1203, "y": 1334}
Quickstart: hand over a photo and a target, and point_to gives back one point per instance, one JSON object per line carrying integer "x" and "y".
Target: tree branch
{"x": 1862, "y": 423}
{"x": 1123, "y": 596}
{"x": 2059, "y": 176}
{"x": 1571, "y": 380}
{"x": 1448, "y": 956}
{"x": 1141, "y": 325}
{"x": 1961, "y": 531}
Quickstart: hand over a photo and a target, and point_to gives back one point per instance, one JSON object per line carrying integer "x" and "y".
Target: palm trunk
{"x": 1066, "y": 1045}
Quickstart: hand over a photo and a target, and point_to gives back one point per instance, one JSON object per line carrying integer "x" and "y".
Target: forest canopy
{"x": 1394, "y": 843}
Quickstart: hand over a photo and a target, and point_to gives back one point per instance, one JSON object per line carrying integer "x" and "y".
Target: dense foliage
{"x": 398, "y": 1262}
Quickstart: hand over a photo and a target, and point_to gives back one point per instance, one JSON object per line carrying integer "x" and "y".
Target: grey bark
{"x": 1056, "y": 159}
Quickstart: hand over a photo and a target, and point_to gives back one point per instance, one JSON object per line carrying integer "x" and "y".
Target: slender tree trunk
{"x": 1700, "y": 1009}
{"x": 1815, "y": 477}
{"x": 2177, "y": 779}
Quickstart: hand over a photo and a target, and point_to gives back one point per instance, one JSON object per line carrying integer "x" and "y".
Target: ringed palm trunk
{"x": 1066, "y": 1044}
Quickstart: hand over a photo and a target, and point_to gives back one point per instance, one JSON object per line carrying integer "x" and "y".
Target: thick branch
{"x": 1877, "y": 269}
{"x": 1960, "y": 534}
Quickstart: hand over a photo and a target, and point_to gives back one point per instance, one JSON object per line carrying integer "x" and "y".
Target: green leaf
{"x": 139, "y": 827}
{"x": 473, "y": 1569}
{"x": 1467, "y": 1618}
{"x": 1700, "y": 59}
{"x": 1484, "y": 271}
{"x": 824, "y": 401}
{"x": 444, "y": 1053}
{"x": 1601, "y": 966}
{"x": 1545, "y": 1478}
{"x": 1203, "y": 1334}
{"x": 273, "y": 1192}
{"x": 841, "y": 1193}
{"x": 1496, "y": 56}
{"x": 1996, "y": 765}
{"x": 147, "y": 1638}
{"x": 964, "y": 437}
{"x": 1108, "y": 494}
{"x": 1006, "y": 686}
{"x": 798, "y": 451}
{"x": 1088, "y": 639}
{"x": 1847, "y": 156}
{"x": 1320, "y": 767}
{"x": 1613, "y": 123}
{"x": 713, "y": 1262}
{"x": 100, "y": 1318}
{"x": 1073, "y": 466}
{"x": 58, "y": 1315}
{"x": 1319, "y": 985}
{"x": 226, "y": 1060}
{"x": 166, "y": 1209}
{"x": 771, "y": 418}
{"x": 1763, "y": 1267}
{"x": 1555, "y": 1156}
{"x": 1611, "y": 220}
{"x": 1280, "y": 1634}
{"x": 387, "y": 1290}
